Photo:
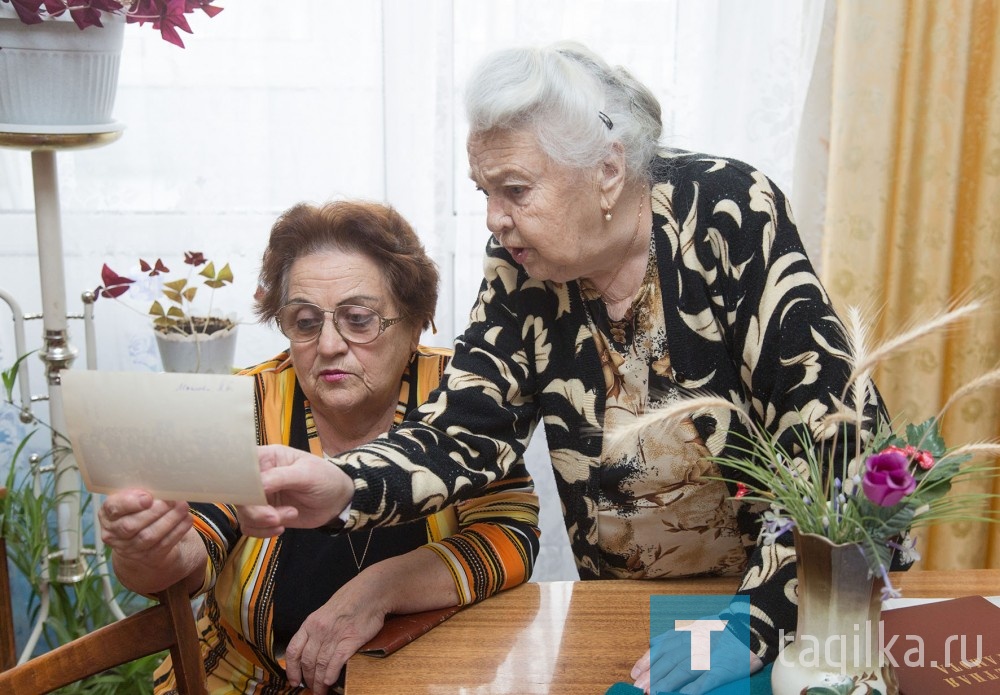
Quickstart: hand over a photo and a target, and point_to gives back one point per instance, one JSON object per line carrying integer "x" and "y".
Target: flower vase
{"x": 836, "y": 648}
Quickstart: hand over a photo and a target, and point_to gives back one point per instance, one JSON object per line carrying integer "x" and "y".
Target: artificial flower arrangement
{"x": 174, "y": 314}
{"x": 883, "y": 485}
{"x": 166, "y": 16}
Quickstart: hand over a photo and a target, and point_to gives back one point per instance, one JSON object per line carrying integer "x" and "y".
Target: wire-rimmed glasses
{"x": 301, "y": 322}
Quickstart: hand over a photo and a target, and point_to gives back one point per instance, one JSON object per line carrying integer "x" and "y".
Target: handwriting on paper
{"x": 180, "y": 436}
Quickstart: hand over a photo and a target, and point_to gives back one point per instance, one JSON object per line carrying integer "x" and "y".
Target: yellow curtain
{"x": 913, "y": 213}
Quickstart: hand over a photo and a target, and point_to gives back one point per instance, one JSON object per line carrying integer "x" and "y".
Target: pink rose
{"x": 924, "y": 459}
{"x": 887, "y": 478}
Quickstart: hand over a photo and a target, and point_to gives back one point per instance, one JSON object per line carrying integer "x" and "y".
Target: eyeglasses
{"x": 301, "y": 322}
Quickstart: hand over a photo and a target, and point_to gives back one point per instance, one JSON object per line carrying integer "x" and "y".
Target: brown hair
{"x": 372, "y": 229}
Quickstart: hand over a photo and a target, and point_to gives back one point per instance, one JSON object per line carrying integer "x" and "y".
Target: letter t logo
{"x": 701, "y": 640}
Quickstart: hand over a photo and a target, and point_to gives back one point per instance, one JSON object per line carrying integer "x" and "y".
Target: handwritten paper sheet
{"x": 180, "y": 436}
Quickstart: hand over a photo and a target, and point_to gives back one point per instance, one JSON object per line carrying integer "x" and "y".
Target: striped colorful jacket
{"x": 259, "y": 591}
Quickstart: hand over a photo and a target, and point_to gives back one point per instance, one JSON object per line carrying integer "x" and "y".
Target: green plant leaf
{"x": 926, "y": 436}
{"x": 156, "y": 309}
{"x": 10, "y": 375}
{"x": 176, "y": 285}
{"x": 217, "y": 280}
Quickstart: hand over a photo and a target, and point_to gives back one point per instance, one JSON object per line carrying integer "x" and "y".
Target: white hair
{"x": 575, "y": 104}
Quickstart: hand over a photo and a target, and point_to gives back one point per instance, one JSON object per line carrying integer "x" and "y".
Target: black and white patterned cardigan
{"x": 747, "y": 319}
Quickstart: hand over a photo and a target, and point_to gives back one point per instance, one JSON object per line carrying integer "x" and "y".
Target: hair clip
{"x": 607, "y": 121}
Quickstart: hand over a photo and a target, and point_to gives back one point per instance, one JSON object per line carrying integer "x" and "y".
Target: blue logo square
{"x": 700, "y": 637}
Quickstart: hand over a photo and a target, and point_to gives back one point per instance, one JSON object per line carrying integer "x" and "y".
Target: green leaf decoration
{"x": 926, "y": 436}
{"x": 157, "y": 310}
{"x": 176, "y": 285}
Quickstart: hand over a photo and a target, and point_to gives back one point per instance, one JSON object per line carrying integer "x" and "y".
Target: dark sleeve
{"x": 471, "y": 430}
{"x": 789, "y": 347}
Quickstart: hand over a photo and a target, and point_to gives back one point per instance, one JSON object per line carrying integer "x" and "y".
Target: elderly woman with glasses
{"x": 351, "y": 287}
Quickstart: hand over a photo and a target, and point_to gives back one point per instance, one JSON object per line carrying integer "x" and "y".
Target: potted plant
{"x": 59, "y": 58}
{"x": 190, "y": 338}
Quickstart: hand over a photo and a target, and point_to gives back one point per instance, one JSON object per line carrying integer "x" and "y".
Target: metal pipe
{"x": 20, "y": 349}
{"x": 57, "y": 354}
{"x": 89, "y": 334}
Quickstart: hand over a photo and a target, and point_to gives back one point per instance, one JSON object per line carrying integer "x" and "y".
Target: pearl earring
{"x": 607, "y": 216}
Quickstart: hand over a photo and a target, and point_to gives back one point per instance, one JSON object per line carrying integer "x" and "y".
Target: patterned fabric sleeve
{"x": 218, "y": 527}
{"x": 782, "y": 335}
{"x": 490, "y": 542}
{"x": 469, "y": 434}
{"x": 496, "y": 546}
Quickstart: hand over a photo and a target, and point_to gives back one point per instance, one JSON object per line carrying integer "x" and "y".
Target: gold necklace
{"x": 621, "y": 263}
{"x": 358, "y": 563}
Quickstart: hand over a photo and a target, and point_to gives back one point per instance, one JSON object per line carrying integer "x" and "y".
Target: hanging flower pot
{"x": 59, "y": 59}
{"x": 54, "y": 74}
{"x": 836, "y": 649}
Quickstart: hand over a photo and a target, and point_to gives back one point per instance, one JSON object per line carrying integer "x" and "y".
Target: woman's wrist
{"x": 338, "y": 522}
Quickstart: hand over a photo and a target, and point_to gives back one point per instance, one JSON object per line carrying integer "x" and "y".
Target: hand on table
{"x": 331, "y": 635}
{"x": 303, "y": 491}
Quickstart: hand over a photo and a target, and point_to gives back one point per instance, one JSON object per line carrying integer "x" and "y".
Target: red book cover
{"x": 950, "y": 646}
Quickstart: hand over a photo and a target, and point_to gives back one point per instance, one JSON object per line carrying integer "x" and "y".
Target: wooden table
{"x": 574, "y": 638}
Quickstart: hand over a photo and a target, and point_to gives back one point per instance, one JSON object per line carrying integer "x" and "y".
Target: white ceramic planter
{"x": 198, "y": 353}
{"x": 54, "y": 73}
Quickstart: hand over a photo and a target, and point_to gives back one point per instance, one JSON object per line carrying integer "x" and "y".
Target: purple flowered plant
{"x": 902, "y": 482}
{"x": 887, "y": 478}
{"x": 175, "y": 312}
{"x": 166, "y": 16}
{"x": 847, "y": 478}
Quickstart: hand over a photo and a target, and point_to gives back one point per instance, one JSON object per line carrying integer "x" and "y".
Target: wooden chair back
{"x": 167, "y": 625}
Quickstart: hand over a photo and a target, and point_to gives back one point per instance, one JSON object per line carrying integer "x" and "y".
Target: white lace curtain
{"x": 341, "y": 98}
{"x": 274, "y": 103}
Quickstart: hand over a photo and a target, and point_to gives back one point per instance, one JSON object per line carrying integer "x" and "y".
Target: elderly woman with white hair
{"x": 621, "y": 276}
